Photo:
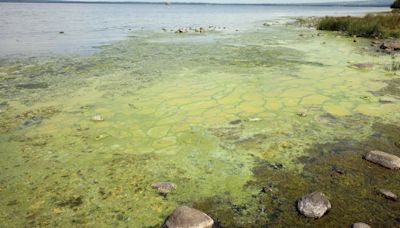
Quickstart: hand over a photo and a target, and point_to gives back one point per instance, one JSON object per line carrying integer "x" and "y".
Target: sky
{"x": 241, "y": 1}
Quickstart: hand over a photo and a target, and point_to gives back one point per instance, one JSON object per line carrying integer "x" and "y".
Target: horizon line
{"x": 344, "y": 3}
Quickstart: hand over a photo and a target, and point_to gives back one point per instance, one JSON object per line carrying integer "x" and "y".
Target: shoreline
{"x": 240, "y": 128}
{"x": 340, "y": 4}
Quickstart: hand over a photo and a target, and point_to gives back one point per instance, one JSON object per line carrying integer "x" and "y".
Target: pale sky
{"x": 243, "y": 1}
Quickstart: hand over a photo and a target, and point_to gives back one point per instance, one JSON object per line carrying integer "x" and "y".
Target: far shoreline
{"x": 330, "y": 4}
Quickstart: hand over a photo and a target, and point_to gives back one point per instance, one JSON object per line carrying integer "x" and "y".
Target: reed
{"x": 373, "y": 25}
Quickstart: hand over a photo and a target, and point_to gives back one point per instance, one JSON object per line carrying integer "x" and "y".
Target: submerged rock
{"x": 360, "y": 225}
{"x": 3, "y": 104}
{"x": 314, "y": 205}
{"x": 363, "y": 66}
{"x": 387, "y": 100}
{"x": 164, "y": 187}
{"x": 384, "y": 159}
{"x": 234, "y": 122}
{"x": 37, "y": 85}
{"x": 301, "y": 114}
{"x": 388, "y": 194}
{"x": 32, "y": 121}
{"x": 186, "y": 217}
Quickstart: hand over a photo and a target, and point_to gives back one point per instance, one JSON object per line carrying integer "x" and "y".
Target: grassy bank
{"x": 372, "y": 25}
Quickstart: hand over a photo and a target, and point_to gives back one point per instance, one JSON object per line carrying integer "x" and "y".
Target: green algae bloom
{"x": 217, "y": 117}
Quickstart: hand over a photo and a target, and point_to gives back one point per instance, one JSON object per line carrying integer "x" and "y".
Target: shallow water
{"x": 171, "y": 105}
{"x": 33, "y": 29}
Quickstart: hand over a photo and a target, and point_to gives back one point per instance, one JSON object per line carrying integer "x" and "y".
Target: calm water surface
{"x": 33, "y": 29}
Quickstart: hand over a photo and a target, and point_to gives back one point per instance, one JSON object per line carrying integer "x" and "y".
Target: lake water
{"x": 243, "y": 122}
{"x": 33, "y": 29}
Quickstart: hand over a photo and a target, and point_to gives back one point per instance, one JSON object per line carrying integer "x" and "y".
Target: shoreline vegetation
{"x": 396, "y": 4}
{"x": 380, "y": 26}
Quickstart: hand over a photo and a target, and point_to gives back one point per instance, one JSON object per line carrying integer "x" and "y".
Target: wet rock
{"x": 360, "y": 225}
{"x": 37, "y": 85}
{"x": 72, "y": 202}
{"x": 366, "y": 98}
{"x": 97, "y": 118}
{"x": 337, "y": 170}
{"x": 201, "y": 30}
{"x": 32, "y": 121}
{"x": 101, "y": 136}
{"x": 181, "y": 30}
{"x": 391, "y": 45}
{"x": 254, "y": 119}
{"x": 12, "y": 203}
{"x": 164, "y": 187}
{"x": 251, "y": 141}
{"x": 384, "y": 159}
{"x": 388, "y": 194}
{"x": 186, "y": 217}
{"x": 301, "y": 114}
{"x": 387, "y": 100}
{"x": 363, "y": 66}
{"x": 314, "y": 205}
{"x": 235, "y": 122}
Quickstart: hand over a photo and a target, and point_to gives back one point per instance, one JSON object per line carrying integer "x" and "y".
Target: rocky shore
{"x": 314, "y": 205}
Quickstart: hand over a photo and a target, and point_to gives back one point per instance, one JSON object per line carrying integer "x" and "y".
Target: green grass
{"x": 373, "y": 25}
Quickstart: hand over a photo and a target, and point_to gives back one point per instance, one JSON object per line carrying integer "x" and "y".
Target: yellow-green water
{"x": 168, "y": 101}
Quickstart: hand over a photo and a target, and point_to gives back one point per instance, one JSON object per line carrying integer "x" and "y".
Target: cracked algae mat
{"x": 243, "y": 123}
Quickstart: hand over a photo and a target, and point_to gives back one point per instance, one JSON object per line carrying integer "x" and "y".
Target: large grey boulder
{"x": 186, "y": 217}
{"x": 314, "y": 205}
{"x": 384, "y": 159}
{"x": 360, "y": 225}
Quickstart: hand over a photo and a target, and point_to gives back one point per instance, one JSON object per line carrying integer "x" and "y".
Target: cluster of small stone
{"x": 313, "y": 205}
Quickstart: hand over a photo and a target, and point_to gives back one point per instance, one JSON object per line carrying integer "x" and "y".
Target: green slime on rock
{"x": 223, "y": 119}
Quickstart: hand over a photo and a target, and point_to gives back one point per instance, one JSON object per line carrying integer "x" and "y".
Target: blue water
{"x": 33, "y": 29}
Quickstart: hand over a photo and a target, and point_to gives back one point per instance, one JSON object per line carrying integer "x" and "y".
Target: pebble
{"x": 97, "y": 118}
{"x": 186, "y": 217}
{"x": 384, "y": 159}
{"x": 234, "y": 122}
{"x": 314, "y": 205}
{"x": 164, "y": 187}
{"x": 388, "y": 194}
{"x": 301, "y": 114}
{"x": 360, "y": 225}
